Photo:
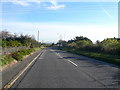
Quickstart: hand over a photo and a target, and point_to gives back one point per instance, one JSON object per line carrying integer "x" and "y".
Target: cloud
{"x": 64, "y": 0}
{"x": 22, "y": 2}
{"x": 36, "y": 1}
{"x": 55, "y": 5}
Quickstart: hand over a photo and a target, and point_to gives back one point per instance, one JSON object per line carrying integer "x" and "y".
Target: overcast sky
{"x": 55, "y": 20}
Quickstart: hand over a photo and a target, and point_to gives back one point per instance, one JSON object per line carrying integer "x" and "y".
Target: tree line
{"x": 109, "y": 45}
{"x": 14, "y": 40}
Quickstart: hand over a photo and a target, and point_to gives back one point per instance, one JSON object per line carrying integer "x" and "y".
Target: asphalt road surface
{"x": 59, "y": 69}
{"x": 10, "y": 72}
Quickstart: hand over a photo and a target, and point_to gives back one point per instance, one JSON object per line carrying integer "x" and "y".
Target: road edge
{"x": 15, "y": 78}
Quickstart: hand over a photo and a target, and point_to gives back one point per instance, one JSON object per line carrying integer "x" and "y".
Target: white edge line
{"x": 72, "y": 63}
{"x": 20, "y": 73}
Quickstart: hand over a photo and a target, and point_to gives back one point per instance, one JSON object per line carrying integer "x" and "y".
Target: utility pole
{"x": 38, "y": 36}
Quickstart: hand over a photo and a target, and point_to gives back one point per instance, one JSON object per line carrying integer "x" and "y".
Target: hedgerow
{"x": 19, "y": 54}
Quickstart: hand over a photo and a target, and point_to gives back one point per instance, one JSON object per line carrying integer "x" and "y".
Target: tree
{"x": 78, "y": 38}
{"x": 73, "y": 45}
{"x": 10, "y": 40}
{"x": 110, "y": 45}
{"x": 5, "y": 34}
{"x": 82, "y": 44}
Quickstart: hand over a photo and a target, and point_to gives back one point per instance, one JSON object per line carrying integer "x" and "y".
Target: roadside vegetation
{"x": 13, "y": 40}
{"x": 107, "y": 50}
{"x": 19, "y": 55}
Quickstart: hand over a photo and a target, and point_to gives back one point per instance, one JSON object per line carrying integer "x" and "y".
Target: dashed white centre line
{"x": 58, "y": 55}
{"x": 72, "y": 63}
{"x": 66, "y": 59}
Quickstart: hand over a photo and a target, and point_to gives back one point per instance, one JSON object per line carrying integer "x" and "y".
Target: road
{"x": 59, "y": 69}
{"x": 13, "y": 70}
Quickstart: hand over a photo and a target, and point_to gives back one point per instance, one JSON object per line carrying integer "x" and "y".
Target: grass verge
{"x": 19, "y": 55}
{"x": 113, "y": 59}
{"x": 6, "y": 60}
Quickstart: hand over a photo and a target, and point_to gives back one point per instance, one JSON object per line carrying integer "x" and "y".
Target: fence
{"x": 12, "y": 49}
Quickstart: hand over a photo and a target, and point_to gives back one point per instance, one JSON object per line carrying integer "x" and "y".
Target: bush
{"x": 82, "y": 44}
{"x": 111, "y": 46}
{"x": 18, "y": 56}
{"x": 6, "y": 60}
{"x": 93, "y": 48}
{"x": 13, "y": 40}
{"x": 4, "y": 44}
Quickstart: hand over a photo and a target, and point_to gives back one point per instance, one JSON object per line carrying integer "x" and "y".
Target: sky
{"x": 60, "y": 19}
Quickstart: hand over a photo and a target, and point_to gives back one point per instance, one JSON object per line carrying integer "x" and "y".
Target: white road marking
{"x": 41, "y": 57}
{"x": 20, "y": 73}
{"x": 66, "y": 59}
{"x": 72, "y": 63}
{"x": 58, "y": 55}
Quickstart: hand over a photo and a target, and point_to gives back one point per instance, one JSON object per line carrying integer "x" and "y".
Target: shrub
{"x": 6, "y": 60}
{"x": 110, "y": 46}
{"x": 83, "y": 44}
{"x": 4, "y": 43}
{"x": 18, "y": 56}
{"x": 14, "y": 40}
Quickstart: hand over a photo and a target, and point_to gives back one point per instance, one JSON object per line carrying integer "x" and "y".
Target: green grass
{"x": 19, "y": 55}
{"x": 6, "y": 59}
{"x": 38, "y": 48}
{"x": 113, "y": 59}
